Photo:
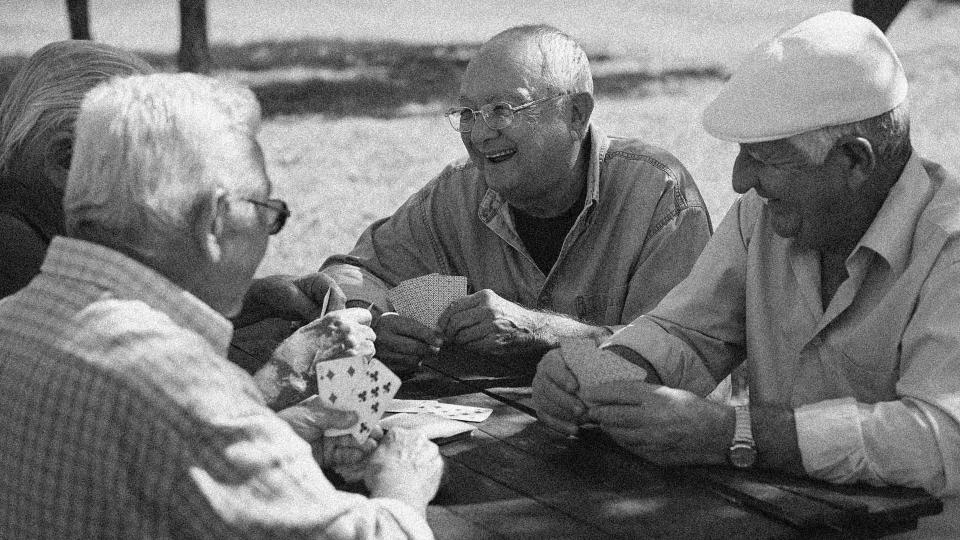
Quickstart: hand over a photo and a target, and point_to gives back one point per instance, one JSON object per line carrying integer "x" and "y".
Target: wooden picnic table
{"x": 516, "y": 478}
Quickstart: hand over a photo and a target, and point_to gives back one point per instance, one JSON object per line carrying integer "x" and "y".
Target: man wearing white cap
{"x": 835, "y": 280}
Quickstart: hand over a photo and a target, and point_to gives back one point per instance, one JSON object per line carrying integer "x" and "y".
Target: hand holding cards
{"x": 424, "y": 298}
{"x": 359, "y": 384}
{"x": 592, "y": 366}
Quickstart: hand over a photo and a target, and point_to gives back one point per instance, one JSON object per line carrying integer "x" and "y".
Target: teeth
{"x": 499, "y": 154}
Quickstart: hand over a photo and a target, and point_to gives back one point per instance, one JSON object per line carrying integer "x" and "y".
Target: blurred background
{"x": 353, "y": 91}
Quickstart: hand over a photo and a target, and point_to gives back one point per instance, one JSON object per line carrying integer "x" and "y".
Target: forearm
{"x": 907, "y": 442}
{"x": 552, "y": 328}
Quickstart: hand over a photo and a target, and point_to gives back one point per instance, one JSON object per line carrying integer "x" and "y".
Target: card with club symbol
{"x": 424, "y": 298}
{"x": 364, "y": 386}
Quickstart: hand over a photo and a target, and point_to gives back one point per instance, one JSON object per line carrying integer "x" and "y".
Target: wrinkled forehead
{"x": 508, "y": 71}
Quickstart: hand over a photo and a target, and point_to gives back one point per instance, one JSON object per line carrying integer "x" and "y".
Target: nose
{"x": 744, "y": 176}
{"x": 481, "y": 131}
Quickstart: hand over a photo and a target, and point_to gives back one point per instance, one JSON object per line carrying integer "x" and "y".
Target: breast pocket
{"x": 869, "y": 368}
{"x": 602, "y": 308}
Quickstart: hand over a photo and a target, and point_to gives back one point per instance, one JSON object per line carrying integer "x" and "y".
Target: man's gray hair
{"x": 147, "y": 149}
{"x": 44, "y": 96}
{"x": 889, "y": 133}
{"x": 565, "y": 68}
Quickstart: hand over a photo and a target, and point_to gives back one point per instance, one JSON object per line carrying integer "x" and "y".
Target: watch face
{"x": 743, "y": 456}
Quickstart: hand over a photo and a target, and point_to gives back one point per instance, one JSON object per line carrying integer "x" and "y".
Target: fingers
{"x": 563, "y": 426}
{"x": 554, "y": 394}
{"x": 322, "y": 417}
{"x": 315, "y": 287}
{"x": 402, "y": 343}
{"x": 310, "y": 418}
{"x": 619, "y": 392}
{"x": 355, "y": 315}
{"x": 471, "y": 300}
{"x": 625, "y": 416}
{"x": 341, "y": 451}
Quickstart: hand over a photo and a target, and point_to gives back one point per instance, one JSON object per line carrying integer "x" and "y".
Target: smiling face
{"x": 534, "y": 158}
{"x": 807, "y": 202}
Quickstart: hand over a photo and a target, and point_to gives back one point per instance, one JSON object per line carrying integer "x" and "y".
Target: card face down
{"x": 424, "y": 298}
{"x": 359, "y": 385}
{"x": 463, "y": 413}
{"x": 592, "y": 366}
{"x": 430, "y": 425}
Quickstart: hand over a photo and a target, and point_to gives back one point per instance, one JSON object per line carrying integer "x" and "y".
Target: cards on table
{"x": 424, "y": 298}
{"x": 431, "y": 426}
{"x": 364, "y": 386}
{"x": 462, "y": 413}
{"x": 592, "y": 366}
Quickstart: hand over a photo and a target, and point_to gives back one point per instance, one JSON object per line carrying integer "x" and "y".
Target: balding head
{"x": 553, "y": 61}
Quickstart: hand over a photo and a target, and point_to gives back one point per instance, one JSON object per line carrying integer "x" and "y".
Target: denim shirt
{"x": 642, "y": 227}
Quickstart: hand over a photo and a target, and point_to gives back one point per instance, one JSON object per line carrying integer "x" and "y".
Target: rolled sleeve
{"x": 831, "y": 442}
{"x": 404, "y": 245}
{"x": 843, "y": 441}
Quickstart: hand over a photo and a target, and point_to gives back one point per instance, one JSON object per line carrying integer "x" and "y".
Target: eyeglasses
{"x": 278, "y": 206}
{"x": 495, "y": 115}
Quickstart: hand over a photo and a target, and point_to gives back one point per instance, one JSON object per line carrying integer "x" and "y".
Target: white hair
{"x": 147, "y": 148}
{"x": 564, "y": 69}
{"x": 44, "y": 96}
{"x": 889, "y": 133}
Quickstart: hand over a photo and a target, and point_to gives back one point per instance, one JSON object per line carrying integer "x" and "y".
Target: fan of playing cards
{"x": 424, "y": 298}
{"x": 359, "y": 384}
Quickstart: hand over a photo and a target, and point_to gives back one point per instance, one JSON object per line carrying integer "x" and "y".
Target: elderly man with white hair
{"x": 122, "y": 417}
{"x": 835, "y": 280}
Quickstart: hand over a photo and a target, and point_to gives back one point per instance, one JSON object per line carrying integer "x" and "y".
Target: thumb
{"x": 334, "y": 419}
{"x": 323, "y": 417}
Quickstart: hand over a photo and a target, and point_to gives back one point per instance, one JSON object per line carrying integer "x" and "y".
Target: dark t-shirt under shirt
{"x": 543, "y": 237}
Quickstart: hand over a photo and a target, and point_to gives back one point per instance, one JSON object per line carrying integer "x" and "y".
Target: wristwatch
{"x": 742, "y": 453}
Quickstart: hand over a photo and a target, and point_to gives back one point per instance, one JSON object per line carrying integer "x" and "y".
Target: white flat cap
{"x": 831, "y": 69}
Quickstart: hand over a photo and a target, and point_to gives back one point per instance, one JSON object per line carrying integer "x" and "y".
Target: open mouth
{"x": 500, "y": 156}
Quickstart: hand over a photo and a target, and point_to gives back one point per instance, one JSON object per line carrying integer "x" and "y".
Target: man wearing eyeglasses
{"x": 560, "y": 230}
{"x": 121, "y": 414}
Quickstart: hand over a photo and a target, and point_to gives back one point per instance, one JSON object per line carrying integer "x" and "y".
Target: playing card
{"x": 336, "y": 380}
{"x": 446, "y": 410}
{"x": 592, "y": 366}
{"x": 337, "y": 386}
{"x": 430, "y": 425}
{"x": 363, "y": 386}
{"x": 374, "y": 393}
{"x": 424, "y": 298}
{"x": 409, "y": 405}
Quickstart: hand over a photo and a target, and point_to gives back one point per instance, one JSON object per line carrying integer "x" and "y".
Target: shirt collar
{"x": 890, "y": 234}
{"x": 599, "y": 143}
{"x": 128, "y": 279}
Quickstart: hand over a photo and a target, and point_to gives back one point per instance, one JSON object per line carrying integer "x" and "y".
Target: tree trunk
{"x": 194, "y": 53}
{"x": 881, "y": 12}
{"x": 79, "y": 13}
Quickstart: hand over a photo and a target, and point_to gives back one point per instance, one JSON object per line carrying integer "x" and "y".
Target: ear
{"x": 580, "y": 110}
{"x": 56, "y": 159}
{"x": 857, "y": 156}
{"x": 209, "y": 212}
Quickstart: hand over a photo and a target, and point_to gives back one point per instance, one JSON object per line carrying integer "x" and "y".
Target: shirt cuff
{"x": 831, "y": 440}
